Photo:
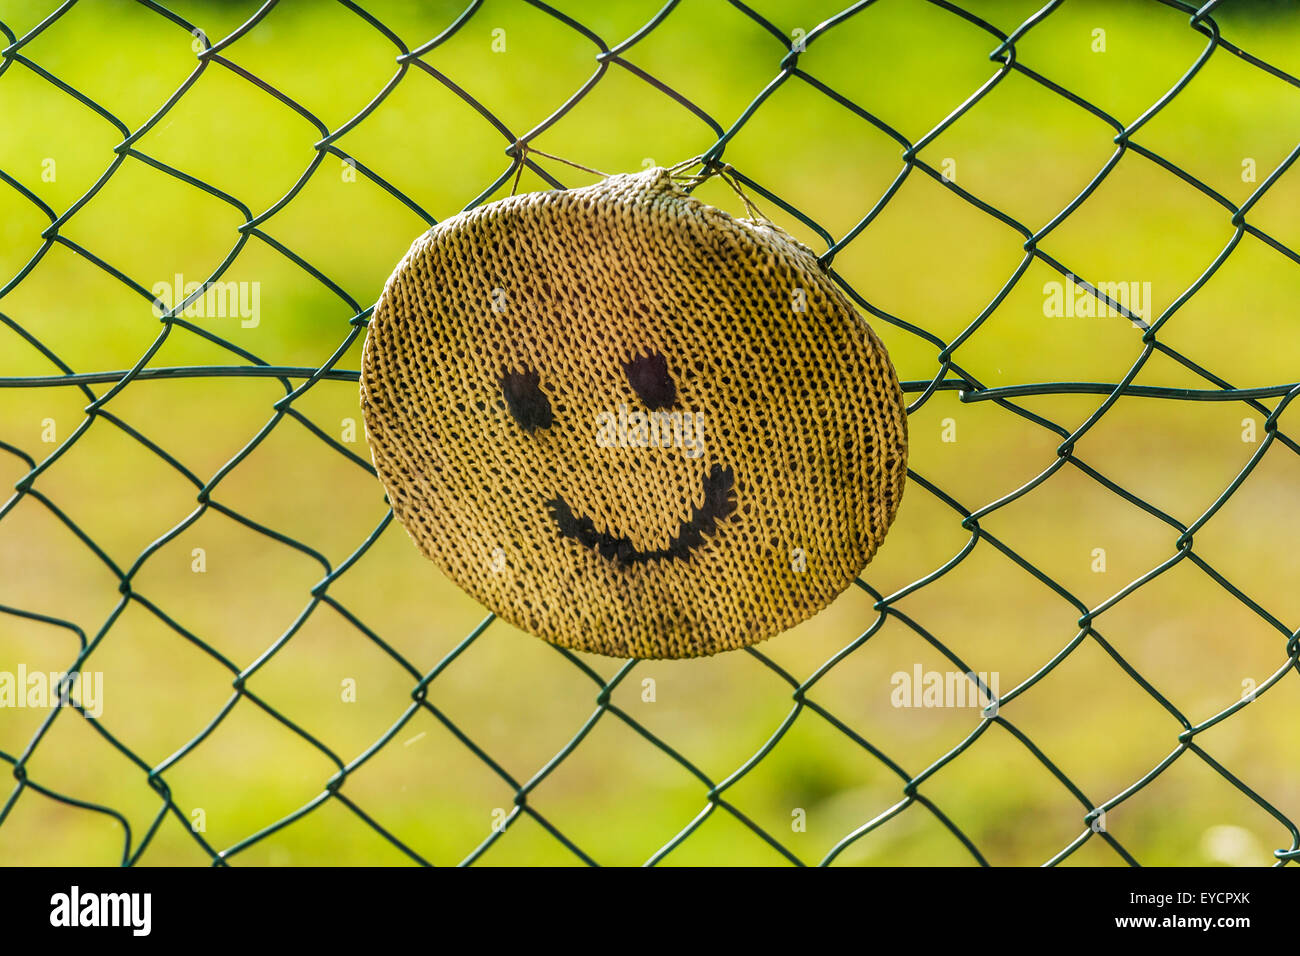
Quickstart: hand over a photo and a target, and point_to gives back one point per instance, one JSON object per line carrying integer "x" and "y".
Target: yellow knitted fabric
{"x": 629, "y": 423}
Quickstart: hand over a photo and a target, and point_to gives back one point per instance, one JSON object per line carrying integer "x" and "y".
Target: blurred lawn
{"x": 930, "y": 259}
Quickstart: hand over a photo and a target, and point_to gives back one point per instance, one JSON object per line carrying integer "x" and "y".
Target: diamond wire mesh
{"x": 948, "y": 375}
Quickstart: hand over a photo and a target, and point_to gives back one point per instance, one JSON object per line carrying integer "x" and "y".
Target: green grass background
{"x": 930, "y": 259}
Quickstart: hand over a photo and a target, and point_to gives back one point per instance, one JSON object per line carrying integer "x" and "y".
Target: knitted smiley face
{"x": 629, "y": 423}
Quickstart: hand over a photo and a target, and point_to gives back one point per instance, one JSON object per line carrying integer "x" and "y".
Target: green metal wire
{"x": 949, "y": 376}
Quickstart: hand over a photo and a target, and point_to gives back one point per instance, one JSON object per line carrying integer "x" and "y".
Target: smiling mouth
{"x": 719, "y": 503}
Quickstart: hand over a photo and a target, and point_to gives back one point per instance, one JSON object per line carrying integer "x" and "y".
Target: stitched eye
{"x": 526, "y": 400}
{"x": 648, "y": 376}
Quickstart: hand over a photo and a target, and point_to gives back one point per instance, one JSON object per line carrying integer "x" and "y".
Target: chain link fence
{"x": 786, "y": 62}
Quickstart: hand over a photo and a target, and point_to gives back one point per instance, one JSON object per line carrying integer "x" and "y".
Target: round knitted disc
{"x": 629, "y": 423}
